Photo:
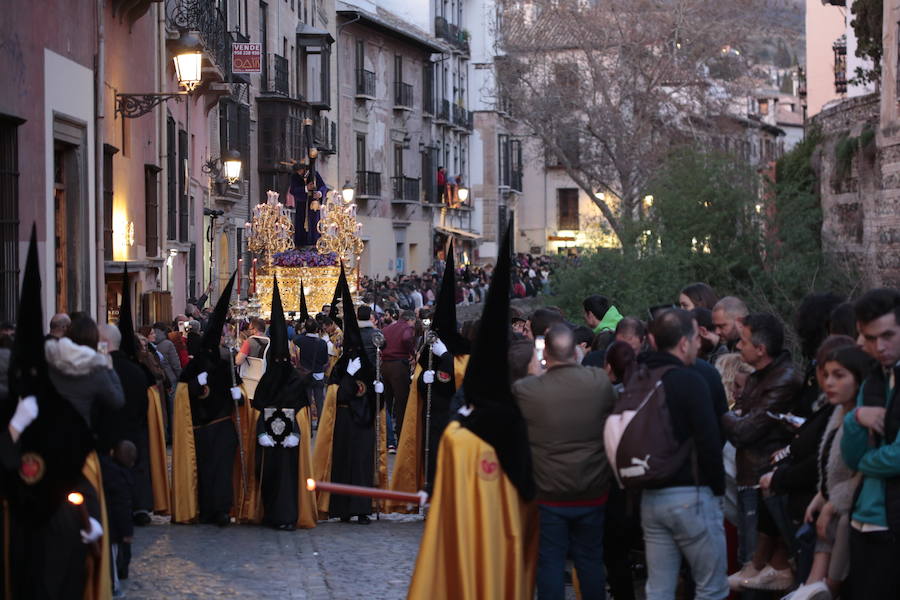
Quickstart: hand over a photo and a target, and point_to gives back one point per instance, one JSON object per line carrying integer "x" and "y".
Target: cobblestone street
{"x": 334, "y": 560}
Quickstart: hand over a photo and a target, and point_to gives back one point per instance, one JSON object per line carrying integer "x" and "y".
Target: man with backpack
{"x": 564, "y": 410}
{"x": 663, "y": 438}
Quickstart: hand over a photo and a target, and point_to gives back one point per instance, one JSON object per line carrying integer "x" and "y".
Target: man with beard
{"x": 204, "y": 440}
{"x": 441, "y": 367}
{"x": 345, "y": 447}
{"x": 283, "y": 433}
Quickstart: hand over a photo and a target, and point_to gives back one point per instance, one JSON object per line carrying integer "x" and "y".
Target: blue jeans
{"x": 748, "y": 504}
{"x": 391, "y": 438}
{"x": 577, "y": 530}
{"x": 688, "y": 521}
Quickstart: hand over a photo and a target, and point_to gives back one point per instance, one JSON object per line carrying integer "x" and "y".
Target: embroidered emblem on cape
{"x": 360, "y": 388}
{"x": 279, "y": 423}
{"x": 488, "y": 466}
{"x": 443, "y": 377}
{"x": 31, "y": 468}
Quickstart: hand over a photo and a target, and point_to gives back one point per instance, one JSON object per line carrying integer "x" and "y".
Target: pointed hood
{"x": 129, "y": 345}
{"x": 213, "y": 334}
{"x": 333, "y": 311}
{"x": 280, "y": 378}
{"x": 444, "y": 321}
{"x": 304, "y": 311}
{"x": 496, "y": 417}
{"x": 59, "y": 437}
{"x": 353, "y": 343}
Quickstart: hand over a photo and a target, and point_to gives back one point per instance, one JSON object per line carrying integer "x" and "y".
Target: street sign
{"x": 246, "y": 58}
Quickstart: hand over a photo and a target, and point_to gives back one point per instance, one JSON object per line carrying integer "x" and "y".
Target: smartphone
{"x": 103, "y": 347}
{"x": 539, "y": 347}
{"x": 788, "y": 418}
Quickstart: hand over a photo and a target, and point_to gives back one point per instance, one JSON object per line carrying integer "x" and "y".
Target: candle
{"x": 240, "y": 269}
{"x": 253, "y": 291}
{"x": 367, "y": 492}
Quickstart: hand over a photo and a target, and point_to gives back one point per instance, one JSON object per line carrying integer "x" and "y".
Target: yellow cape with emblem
{"x": 159, "y": 472}
{"x": 480, "y": 539}
{"x": 98, "y": 580}
{"x": 409, "y": 466}
{"x": 184, "y": 504}
{"x": 321, "y": 467}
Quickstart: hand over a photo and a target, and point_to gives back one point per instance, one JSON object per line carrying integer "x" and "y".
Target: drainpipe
{"x": 99, "y": 79}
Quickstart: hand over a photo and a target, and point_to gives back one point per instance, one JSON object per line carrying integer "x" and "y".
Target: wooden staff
{"x": 378, "y": 340}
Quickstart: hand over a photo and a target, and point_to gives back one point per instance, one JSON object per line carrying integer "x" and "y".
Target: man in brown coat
{"x": 565, "y": 409}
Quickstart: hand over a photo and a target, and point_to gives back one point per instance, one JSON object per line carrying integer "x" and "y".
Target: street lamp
{"x": 347, "y": 192}
{"x": 232, "y": 164}
{"x": 463, "y": 194}
{"x": 188, "y": 69}
{"x": 224, "y": 169}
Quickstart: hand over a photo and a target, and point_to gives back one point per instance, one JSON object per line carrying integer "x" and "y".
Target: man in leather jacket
{"x": 772, "y": 388}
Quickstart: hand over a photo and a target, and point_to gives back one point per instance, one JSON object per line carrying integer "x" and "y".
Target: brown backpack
{"x": 640, "y": 443}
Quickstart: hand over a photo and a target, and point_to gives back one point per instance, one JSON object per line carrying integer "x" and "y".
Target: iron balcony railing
{"x": 456, "y": 36}
{"x": 406, "y": 189}
{"x": 368, "y": 184}
{"x": 280, "y": 70}
{"x": 365, "y": 83}
{"x": 443, "y": 112}
{"x": 204, "y": 17}
{"x": 462, "y": 117}
{"x": 403, "y": 94}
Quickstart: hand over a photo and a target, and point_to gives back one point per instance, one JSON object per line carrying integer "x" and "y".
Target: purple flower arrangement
{"x": 305, "y": 257}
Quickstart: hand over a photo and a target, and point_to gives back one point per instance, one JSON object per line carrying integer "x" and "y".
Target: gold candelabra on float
{"x": 271, "y": 229}
{"x": 339, "y": 228}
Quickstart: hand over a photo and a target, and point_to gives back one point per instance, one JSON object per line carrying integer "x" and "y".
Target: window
{"x": 9, "y": 218}
{"x": 108, "y": 153}
{"x": 763, "y": 107}
{"x": 171, "y": 181}
{"x": 510, "y": 165}
{"x": 280, "y": 126}
{"x": 360, "y": 152}
{"x": 398, "y": 160}
{"x": 184, "y": 183}
{"x": 151, "y": 210}
{"x": 234, "y": 129}
{"x": 313, "y": 71}
{"x": 428, "y": 88}
{"x": 567, "y": 209}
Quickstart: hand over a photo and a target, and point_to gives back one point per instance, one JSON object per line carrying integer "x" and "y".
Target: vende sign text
{"x": 246, "y": 58}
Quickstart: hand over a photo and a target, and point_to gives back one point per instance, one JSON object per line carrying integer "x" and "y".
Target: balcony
{"x": 403, "y": 96}
{"x": 203, "y": 17}
{"x": 365, "y": 84}
{"x": 325, "y": 135}
{"x": 406, "y": 190}
{"x": 280, "y": 71}
{"x": 368, "y": 184}
{"x": 443, "y": 111}
{"x": 462, "y": 118}
{"x": 458, "y": 38}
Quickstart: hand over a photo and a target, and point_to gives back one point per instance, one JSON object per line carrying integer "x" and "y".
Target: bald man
{"x": 130, "y": 422}
{"x": 59, "y": 325}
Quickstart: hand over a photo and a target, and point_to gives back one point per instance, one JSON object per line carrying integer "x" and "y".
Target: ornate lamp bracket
{"x": 131, "y": 106}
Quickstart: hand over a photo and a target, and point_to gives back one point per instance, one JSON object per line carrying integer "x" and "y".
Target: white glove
{"x": 379, "y": 387}
{"x": 202, "y": 378}
{"x": 438, "y": 348}
{"x": 428, "y": 376}
{"x": 94, "y": 534}
{"x": 26, "y": 412}
{"x": 236, "y": 394}
{"x": 353, "y": 366}
{"x": 265, "y": 440}
{"x": 291, "y": 441}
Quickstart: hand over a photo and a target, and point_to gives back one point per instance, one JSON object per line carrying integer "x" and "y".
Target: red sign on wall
{"x": 246, "y": 58}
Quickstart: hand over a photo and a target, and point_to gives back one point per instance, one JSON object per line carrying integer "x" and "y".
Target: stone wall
{"x": 860, "y": 200}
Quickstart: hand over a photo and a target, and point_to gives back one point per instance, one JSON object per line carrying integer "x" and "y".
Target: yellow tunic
{"x": 159, "y": 473}
{"x": 409, "y": 466}
{"x": 480, "y": 539}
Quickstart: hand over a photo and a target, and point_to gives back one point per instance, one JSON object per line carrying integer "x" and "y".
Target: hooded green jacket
{"x": 609, "y": 320}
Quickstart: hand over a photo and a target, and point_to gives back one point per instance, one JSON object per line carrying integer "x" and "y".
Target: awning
{"x": 458, "y": 232}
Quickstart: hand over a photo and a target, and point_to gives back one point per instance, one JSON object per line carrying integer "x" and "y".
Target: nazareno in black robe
{"x": 215, "y": 436}
{"x": 277, "y": 467}
{"x": 353, "y": 442}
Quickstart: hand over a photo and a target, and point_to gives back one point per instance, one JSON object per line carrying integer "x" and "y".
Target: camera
{"x": 539, "y": 347}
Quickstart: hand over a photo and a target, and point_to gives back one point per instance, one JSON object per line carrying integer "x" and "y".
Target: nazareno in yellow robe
{"x": 321, "y": 463}
{"x": 480, "y": 538}
{"x": 409, "y": 466}
{"x": 159, "y": 472}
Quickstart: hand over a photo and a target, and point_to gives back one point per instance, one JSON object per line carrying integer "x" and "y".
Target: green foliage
{"x": 846, "y": 148}
{"x": 708, "y": 223}
{"x": 867, "y": 23}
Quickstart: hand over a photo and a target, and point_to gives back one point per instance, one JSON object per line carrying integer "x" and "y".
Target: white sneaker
{"x": 736, "y": 580}
{"x": 813, "y": 591}
{"x": 770, "y": 579}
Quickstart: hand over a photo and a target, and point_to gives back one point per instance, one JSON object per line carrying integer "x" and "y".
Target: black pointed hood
{"x": 353, "y": 342}
{"x": 55, "y": 445}
{"x": 444, "y": 321}
{"x": 213, "y": 334}
{"x": 280, "y": 377}
{"x": 304, "y": 311}
{"x": 129, "y": 345}
{"x": 496, "y": 417}
{"x": 332, "y": 310}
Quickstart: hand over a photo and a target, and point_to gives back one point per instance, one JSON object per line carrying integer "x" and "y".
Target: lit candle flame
{"x": 76, "y": 498}
{"x": 311, "y": 484}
